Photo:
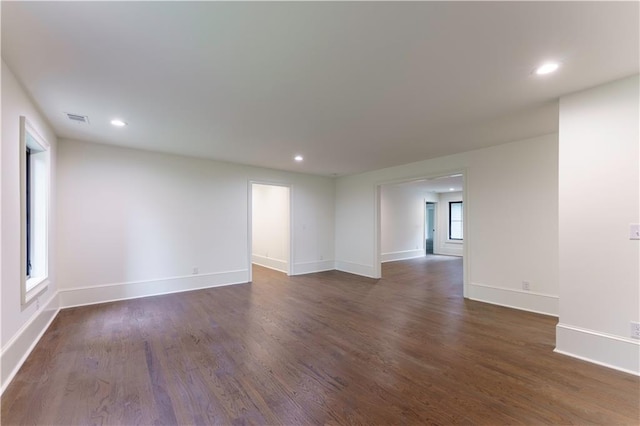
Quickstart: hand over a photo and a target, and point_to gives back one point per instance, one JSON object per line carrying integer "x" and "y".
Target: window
{"x": 35, "y": 211}
{"x": 28, "y": 211}
{"x": 455, "y": 220}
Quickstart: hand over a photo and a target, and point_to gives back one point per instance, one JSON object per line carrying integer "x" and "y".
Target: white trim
{"x": 18, "y": 348}
{"x": 43, "y": 148}
{"x": 271, "y": 263}
{"x": 466, "y": 251}
{"x": 450, "y": 241}
{"x": 91, "y": 295}
{"x": 619, "y": 353}
{"x": 540, "y": 303}
{"x": 377, "y": 232}
{"x": 356, "y": 268}
{"x": 37, "y": 289}
{"x": 447, "y": 253}
{"x": 302, "y": 268}
{"x": 250, "y": 229}
{"x": 402, "y": 255}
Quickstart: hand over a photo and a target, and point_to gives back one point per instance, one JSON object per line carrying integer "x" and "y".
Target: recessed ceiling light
{"x": 452, "y": 189}
{"x": 118, "y": 123}
{"x": 547, "y": 68}
{"x": 298, "y": 158}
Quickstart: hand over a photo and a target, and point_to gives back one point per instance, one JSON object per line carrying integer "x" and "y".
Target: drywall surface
{"x": 402, "y": 222}
{"x": 270, "y": 226}
{"x": 22, "y": 326}
{"x": 599, "y": 264}
{"x": 511, "y": 229}
{"x": 134, "y": 219}
{"x": 16, "y": 103}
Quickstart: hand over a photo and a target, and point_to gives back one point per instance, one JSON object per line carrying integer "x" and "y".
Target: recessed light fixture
{"x": 118, "y": 123}
{"x": 452, "y": 189}
{"x": 298, "y": 158}
{"x": 547, "y": 68}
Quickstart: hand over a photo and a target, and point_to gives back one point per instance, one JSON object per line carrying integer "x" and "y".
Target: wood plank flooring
{"x": 327, "y": 348}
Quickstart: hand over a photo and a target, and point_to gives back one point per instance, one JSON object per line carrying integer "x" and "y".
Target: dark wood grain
{"x": 327, "y": 348}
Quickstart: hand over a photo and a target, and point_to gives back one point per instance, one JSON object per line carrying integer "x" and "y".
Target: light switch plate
{"x": 634, "y": 231}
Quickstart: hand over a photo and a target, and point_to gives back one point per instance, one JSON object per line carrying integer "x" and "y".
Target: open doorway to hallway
{"x": 270, "y": 227}
{"x": 429, "y": 226}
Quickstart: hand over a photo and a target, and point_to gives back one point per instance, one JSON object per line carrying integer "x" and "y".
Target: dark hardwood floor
{"x": 316, "y": 349}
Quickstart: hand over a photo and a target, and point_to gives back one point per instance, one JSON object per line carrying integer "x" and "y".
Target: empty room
{"x": 307, "y": 213}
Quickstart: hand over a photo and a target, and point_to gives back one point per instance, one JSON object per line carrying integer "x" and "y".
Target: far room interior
{"x": 320, "y": 212}
{"x": 415, "y": 211}
{"x": 270, "y": 227}
{"x": 422, "y": 219}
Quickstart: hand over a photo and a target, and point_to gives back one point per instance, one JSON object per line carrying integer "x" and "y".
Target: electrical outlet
{"x": 635, "y": 330}
{"x": 526, "y": 285}
{"x": 195, "y": 270}
{"x": 634, "y": 231}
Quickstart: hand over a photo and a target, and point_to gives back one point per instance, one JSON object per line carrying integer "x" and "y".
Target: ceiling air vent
{"x": 77, "y": 118}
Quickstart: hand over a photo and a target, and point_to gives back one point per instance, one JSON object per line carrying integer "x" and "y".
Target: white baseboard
{"x": 401, "y": 255}
{"x": 314, "y": 266}
{"x": 16, "y": 351}
{"x": 448, "y": 253}
{"x": 132, "y": 290}
{"x": 271, "y": 263}
{"x": 611, "y": 351}
{"x": 539, "y": 303}
{"x": 356, "y": 268}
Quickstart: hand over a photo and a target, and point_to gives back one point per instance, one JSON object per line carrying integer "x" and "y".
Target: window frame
{"x": 34, "y": 148}
{"x": 28, "y": 180}
{"x": 461, "y": 221}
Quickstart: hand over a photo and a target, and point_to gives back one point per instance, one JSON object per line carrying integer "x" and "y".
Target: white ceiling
{"x": 351, "y": 86}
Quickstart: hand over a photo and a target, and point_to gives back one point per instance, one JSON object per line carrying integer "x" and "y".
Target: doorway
{"x": 430, "y": 226}
{"x": 270, "y": 227}
{"x": 428, "y": 198}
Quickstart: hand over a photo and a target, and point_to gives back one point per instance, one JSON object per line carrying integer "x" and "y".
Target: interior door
{"x": 430, "y": 226}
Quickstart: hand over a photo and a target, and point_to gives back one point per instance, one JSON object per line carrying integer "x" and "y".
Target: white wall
{"x": 599, "y": 264}
{"x": 432, "y": 197}
{"x": 137, "y": 222}
{"x": 270, "y": 230}
{"x": 443, "y": 244}
{"x": 401, "y": 222}
{"x": 511, "y": 200}
{"x": 21, "y": 326}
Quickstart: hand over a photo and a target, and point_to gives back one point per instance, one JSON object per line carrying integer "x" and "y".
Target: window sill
{"x": 455, "y": 241}
{"x": 37, "y": 286}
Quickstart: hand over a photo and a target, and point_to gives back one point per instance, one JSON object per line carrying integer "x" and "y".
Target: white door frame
{"x": 250, "y": 184}
{"x": 435, "y": 224}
